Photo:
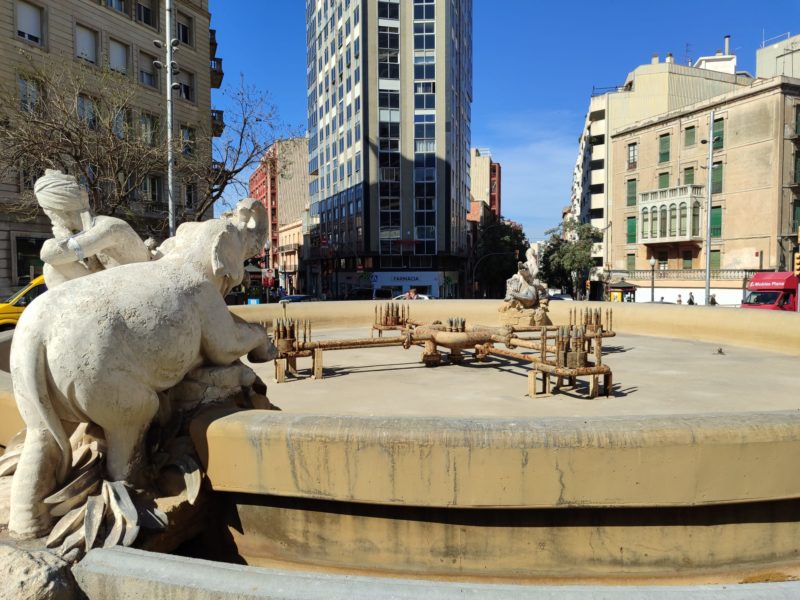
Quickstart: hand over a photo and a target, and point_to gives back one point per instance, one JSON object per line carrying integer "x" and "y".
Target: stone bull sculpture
{"x": 99, "y": 349}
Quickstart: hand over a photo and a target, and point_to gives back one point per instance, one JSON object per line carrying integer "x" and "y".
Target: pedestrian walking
{"x": 712, "y": 301}
{"x": 679, "y": 300}
{"x": 690, "y": 300}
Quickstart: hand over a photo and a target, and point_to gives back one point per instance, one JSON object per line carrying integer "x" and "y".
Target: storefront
{"x": 436, "y": 284}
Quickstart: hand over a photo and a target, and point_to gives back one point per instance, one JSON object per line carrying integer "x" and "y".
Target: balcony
{"x": 217, "y": 74}
{"x": 286, "y": 248}
{"x": 217, "y": 122}
{"x": 212, "y": 37}
{"x": 671, "y": 215}
{"x": 639, "y": 275}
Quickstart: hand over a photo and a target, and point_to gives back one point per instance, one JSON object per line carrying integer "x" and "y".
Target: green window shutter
{"x": 689, "y": 136}
{"x": 797, "y": 167}
{"x": 797, "y": 120}
{"x": 663, "y": 148}
{"x": 719, "y": 134}
{"x": 631, "y": 230}
{"x": 716, "y": 221}
{"x": 663, "y": 180}
{"x": 631, "y": 194}
{"x": 716, "y": 178}
{"x": 715, "y": 260}
{"x": 631, "y": 262}
{"x": 796, "y": 222}
{"x": 688, "y": 176}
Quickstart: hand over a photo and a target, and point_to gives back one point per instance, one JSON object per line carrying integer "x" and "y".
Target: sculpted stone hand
{"x": 99, "y": 349}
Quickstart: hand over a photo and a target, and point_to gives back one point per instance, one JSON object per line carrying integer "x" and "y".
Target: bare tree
{"x": 84, "y": 120}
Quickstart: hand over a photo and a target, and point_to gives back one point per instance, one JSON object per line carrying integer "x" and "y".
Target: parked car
{"x": 419, "y": 297}
{"x": 560, "y": 297}
{"x": 297, "y": 298}
{"x": 11, "y": 310}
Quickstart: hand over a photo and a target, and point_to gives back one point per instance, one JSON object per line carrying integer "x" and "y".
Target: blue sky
{"x": 534, "y": 67}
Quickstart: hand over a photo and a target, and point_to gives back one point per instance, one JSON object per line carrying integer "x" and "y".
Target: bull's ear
{"x": 226, "y": 255}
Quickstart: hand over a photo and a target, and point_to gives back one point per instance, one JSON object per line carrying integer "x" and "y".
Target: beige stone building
{"x": 660, "y": 182}
{"x": 118, "y": 34}
{"x": 649, "y": 90}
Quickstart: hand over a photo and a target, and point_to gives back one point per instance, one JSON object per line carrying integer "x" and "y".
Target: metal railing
{"x": 684, "y": 274}
{"x": 672, "y": 193}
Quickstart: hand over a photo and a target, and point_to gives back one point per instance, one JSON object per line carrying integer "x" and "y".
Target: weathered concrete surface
{"x": 27, "y": 574}
{"x": 126, "y": 574}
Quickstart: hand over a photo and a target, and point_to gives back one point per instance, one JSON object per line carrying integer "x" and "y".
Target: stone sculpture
{"x": 522, "y": 303}
{"x": 94, "y": 360}
{"x": 83, "y": 243}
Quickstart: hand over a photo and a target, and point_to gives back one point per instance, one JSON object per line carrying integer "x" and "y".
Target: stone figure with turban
{"x": 83, "y": 243}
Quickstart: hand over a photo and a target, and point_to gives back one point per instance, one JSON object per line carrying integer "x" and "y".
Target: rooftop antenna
{"x": 687, "y": 57}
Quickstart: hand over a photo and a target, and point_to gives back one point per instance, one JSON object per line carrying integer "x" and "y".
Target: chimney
{"x": 654, "y": 59}
{"x": 669, "y": 58}
{"x": 727, "y": 45}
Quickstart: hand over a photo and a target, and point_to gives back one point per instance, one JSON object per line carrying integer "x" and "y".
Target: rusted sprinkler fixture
{"x": 391, "y": 317}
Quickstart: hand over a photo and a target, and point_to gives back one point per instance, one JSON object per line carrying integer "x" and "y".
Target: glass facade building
{"x": 389, "y": 95}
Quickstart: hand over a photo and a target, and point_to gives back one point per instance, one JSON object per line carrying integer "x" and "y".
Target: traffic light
{"x": 797, "y": 264}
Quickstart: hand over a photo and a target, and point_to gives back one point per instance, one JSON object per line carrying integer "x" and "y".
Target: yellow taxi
{"x": 13, "y": 307}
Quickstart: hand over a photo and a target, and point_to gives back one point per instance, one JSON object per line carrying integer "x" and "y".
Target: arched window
{"x": 662, "y": 217}
{"x": 673, "y": 220}
{"x": 682, "y": 215}
{"x": 696, "y": 219}
{"x": 645, "y": 222}
{"x": 653, "y": 222}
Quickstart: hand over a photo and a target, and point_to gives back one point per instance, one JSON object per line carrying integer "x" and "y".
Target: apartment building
{"x": 660, "y": 179}
{"x": 281, "y": 183}
{"x": 648, "y": 90}
{"x": 485, "y": 179}
{"x": 117, "y": 34}
{"x": 389, "y": 96}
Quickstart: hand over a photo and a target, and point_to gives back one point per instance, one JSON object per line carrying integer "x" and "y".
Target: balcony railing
{"x": 217, "y": 122}
{"x": 217, "y": 74}
{"x": 681, "y": 192}
{"x": 212, "y": 40}
{"x": 684, "y": 274}
{"x": 288, "y": 248}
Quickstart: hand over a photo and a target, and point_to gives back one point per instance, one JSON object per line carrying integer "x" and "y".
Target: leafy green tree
{"x": 567, "y": 255}
{"x": 500, "y": 245}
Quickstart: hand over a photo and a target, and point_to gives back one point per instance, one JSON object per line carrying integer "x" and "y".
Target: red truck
{"x": 772, "y": 291}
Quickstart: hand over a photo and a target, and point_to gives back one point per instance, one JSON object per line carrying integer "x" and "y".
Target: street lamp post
{"x": 170, "y": 45}
{"x": 709, "y": 168}
{"x": 652, "y": 279}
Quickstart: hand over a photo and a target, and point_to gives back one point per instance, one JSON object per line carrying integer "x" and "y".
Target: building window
{"x": 424, "y": 36}
{"x": 630, "y": 196}
{"x": 388, "y": 52}
{"x": 715, "y": 260}
{"x": 663, "y": 181}
{"x": 631, "y": 237}
{"x": 120, "y": 123}
{"x": 631, "y": 262}
{"x": 86, "y": 44}
{"x": 716, "y": 221}
{"x": 190, "y": 195}
{"x": 696, "y": 219}
{"x": 28, "y": 94}
{"x": 663, "y": 222}
{"x": 147, "y": 72}
{"x": 86, "y": 111}
{"x": 673, "y": 220}
{"x": 719, "y": 134}
{"x": 686, "y": 259}
{"x": 117, "y": 5}
{"x": 184, "y": 30}
{"x": 645, "y": 223}
{"x": 29, "y": 22}
{"x": 689, "y": 136}
{"x": 145, "y": 12}
{"x": 716, "y": 178}
{"x": 148, "y": 126}
{"x": 388, "y": 10}
{"x": 117, "y": 56}
{"x": 663, "y": 148}
{"x": 688, "y": 176}
{"x": 186, "y": 86}
{"x": 797, "y": 167}
{"x": 633, "y": 155}
{"x": 150, "y": 189}
{"x": 423, "y": 9}
{"x": 682, "y": 217}
{"x": 187, "y": 140}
